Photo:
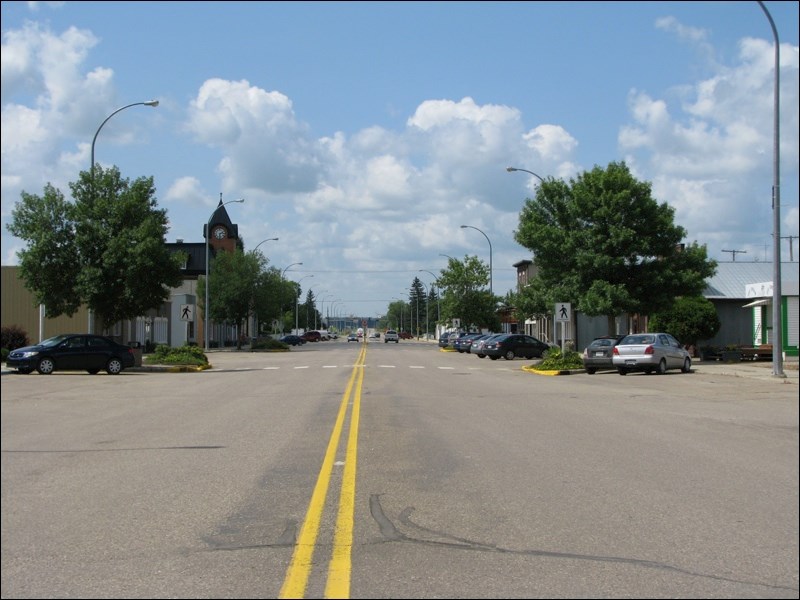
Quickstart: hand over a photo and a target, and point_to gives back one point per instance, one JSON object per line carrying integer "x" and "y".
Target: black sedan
{"x": 512, "y": 345}
{"x": 598, "y": 355}
{"x": 73, "y": 352}
{"x": 292, "y": 340}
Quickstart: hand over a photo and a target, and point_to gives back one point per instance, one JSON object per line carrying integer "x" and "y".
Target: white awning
{"x": 761, "y": 302}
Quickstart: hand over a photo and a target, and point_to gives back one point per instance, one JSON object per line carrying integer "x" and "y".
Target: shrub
{"x": 184, "y": 355}
{"x": 13, "y": 337}
{"x": 268, "y": 343}
{"x": 556, "y": 360}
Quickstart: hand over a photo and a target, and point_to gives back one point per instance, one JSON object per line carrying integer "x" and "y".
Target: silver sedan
{"x": 651, "y": 353}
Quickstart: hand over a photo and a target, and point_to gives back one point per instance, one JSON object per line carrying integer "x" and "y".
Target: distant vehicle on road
{"x": 292, "y": 340}
{"x": 391, "y": 336}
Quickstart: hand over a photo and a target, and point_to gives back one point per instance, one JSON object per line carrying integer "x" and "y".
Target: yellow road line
{"x": 296, "y": 580}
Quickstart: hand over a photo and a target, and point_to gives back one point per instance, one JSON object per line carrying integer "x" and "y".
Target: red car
{"x": 311, "y": 336}
{"x": 404, "y": 335}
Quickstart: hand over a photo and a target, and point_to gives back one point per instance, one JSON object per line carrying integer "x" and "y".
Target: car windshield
{"x": 53, "y": 341}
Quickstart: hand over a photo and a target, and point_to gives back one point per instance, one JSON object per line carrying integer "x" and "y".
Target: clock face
{"x": 220, "y": 233}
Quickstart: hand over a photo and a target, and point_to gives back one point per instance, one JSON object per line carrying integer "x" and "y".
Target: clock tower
{"x": 224, "y": 235}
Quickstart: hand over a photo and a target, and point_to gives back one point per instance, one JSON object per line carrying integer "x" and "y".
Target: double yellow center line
{"x": 339, "y": 568}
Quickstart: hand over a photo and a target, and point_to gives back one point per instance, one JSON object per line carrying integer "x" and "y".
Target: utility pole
{"x": 735, "y": 252}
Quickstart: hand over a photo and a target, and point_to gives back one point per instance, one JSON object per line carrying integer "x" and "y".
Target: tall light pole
{"x": 283, "y": 273}
{"x": 490, "y": 253}
{"x": 208, "y": 235}
{"x": 438, "y": 300}
{"x": 426, "y": 309}
{"x": 777, "y": 336}
{"x": 152, "y": 103}
{"x": 297, "y": 300}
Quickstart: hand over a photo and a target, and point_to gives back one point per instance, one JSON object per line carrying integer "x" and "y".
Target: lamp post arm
{"x": 152, "y": 103}
{"x": 512, "y": 169}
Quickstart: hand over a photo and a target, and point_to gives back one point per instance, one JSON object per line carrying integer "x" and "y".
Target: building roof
{"x": 732, "y": 278}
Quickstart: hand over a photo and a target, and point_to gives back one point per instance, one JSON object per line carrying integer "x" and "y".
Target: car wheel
{"x": 25, "y": 371}
{"x": 687, "y": 366}
{"x": 114, "y": 366}
{"x": 494, "y": 357}
{"x": 662, "y": 367}
{"x": 622, "y": 371}
{"x": 46, "y": 366}
{"x": 481, "y": 355}
{"x": 591, "y": 371}
{"x": 93, "y": 371}
{"x": 509, "y": 355}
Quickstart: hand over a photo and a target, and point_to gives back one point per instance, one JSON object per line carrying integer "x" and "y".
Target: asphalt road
{"x": 396, "y": 470}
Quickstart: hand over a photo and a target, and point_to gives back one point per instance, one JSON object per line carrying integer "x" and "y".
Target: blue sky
{"x": 363, "y": 134}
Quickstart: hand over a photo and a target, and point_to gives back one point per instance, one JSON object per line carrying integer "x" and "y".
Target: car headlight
{"x": 29, "y": 354}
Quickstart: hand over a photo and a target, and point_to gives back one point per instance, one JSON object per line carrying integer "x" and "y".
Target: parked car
{"x": 311, "y": 336}
{"x": 512, "y": 345}
{"x": 597, "y": 356}
{"x": 476, "y": 347}
{"x": 391, "y": 336}
{"x": 444, "y": 340}
{"x": 462, "y": 344}
{"x": 405, "y": 335}
{"x": 73, "y": 352}
{"x": 650, "y": 353}
{"x": 292, "y": 340}
{"x": 477, "y": 340}
{"x": 352, "y": 337}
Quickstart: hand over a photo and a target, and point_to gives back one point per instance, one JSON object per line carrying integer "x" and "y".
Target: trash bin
{"x": 137, "y": 353}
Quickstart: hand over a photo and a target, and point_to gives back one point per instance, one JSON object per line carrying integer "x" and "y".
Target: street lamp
{"x": 297, "y": 300}
{"x": 426, "y": 310}
{"x": 438, "y": 300}
{"x": 152, "y": 103}
{"x": 490, "y": 253}
{"x": 91, "y": 168}
{"x": 282, "y": 280}
{"x": 777, "y": 336}
{"x": 512, "y": 169}
{"x": 208, "y": 235}
{"x": 262, "y": 241}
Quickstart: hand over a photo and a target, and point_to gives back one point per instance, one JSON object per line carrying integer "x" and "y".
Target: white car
{"x": 391, "y": 336}
{"x": 651, "y": 353}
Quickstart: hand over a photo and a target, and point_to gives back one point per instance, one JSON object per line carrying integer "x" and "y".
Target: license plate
{"x": 599, "y": 353}
{"x": 630, "y": 362}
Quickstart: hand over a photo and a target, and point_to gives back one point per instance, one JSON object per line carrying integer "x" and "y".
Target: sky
{"x": 363, "y": 135}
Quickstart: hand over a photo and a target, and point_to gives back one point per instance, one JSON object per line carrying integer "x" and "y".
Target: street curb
{"x": 552, "y": 373}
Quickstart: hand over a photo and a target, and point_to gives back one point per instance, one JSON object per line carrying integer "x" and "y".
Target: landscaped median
{"x": 556, "y": 362}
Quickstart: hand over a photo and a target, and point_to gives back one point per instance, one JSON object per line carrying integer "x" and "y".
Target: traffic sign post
{"x": 563, "y": 316}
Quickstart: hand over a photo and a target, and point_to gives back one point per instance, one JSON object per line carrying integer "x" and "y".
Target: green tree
{"x": 465, "y": 295}
{"x": 106, "y": 250}
{"x": 688, "y": 319}
{"x": 603, "y": 243}
{"x": 233, "y": 280}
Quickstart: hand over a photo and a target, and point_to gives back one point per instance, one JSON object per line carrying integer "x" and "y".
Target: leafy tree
{"x": 603, "y": 243}
{"x": 105, "y": 250}
{"x": 689, "y": 319}
{"x": 465, "y": 296}
{"x": 233, "y": 280}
